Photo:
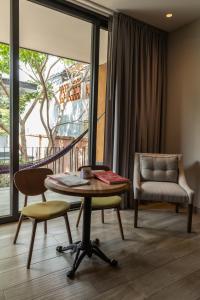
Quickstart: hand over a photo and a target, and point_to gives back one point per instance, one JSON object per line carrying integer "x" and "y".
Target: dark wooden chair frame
{"x": 35, "y": 188}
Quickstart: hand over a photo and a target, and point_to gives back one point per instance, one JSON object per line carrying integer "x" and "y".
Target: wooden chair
{"x": 101, "y": 203}
{"x": 31, "y": 183}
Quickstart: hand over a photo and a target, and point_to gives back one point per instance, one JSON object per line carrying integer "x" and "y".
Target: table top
{"x": 96, "y": 188}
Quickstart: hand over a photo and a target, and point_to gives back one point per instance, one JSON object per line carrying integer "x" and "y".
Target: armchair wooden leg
{"x": 120, "y": 223}
{"x": 68, "y": 228}
{"x": 79, "y": 215}
{"x": 32, "y": 243}
{"x": 45, "y": 227}
{"x": 189, "y": 221}
{"x": 177, "y": 208}
{"x": 102, "y": 216}
{"x": 136, "y": 213}
{"x": 18, "y": 228}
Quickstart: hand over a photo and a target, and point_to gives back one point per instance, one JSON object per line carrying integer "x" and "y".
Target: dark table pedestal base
{"x": 86, "y": 246}
{"x": 81, "y": 250}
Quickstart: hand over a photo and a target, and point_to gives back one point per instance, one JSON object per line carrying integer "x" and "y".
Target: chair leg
{"x": 120, "y": 223}
{"x": 45, "y": 227}
{"x": 189, "y": 221}
{"x": 68, "y": 228}
{"x": 18, "y": 228}
{"x": 102, "y": 216}
{"x": 136, "y": 213}
{"x": 177, "y": 208}
{"x": 45, "y": 222}
{"x": 79, "y": 215}
{"x": 32, "y": 243}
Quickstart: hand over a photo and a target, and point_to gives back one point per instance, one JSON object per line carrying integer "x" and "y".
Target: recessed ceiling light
{"x": 169, "y": 15}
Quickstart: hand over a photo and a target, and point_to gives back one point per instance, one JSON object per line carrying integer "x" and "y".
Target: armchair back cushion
{"x": 163, "y": 169}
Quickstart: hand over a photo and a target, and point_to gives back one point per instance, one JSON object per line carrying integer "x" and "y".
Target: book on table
{"x": 110, "y": 177}
{"x": 69, "y": 180}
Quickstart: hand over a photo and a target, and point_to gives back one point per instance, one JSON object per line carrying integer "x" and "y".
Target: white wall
{"x": 183, "y": 105}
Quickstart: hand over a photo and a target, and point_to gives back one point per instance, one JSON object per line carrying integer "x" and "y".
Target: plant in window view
{"x": 49, "y": 88}
{"x": 53, "y": 105}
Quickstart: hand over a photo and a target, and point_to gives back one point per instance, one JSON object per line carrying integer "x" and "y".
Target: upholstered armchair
{"x": 161, "y": 178}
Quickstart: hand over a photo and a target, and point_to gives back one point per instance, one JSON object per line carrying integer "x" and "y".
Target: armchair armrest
{"x": 136, "y": 177}
{"x": 183, "y": 182}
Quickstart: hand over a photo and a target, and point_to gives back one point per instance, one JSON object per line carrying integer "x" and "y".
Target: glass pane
{"x": 54, "y": 87}
{"x": 101, "y": 95}
{"x": 4, "y": 108}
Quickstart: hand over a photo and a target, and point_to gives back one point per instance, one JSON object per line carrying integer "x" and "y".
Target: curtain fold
{"x": 135, "y": 106}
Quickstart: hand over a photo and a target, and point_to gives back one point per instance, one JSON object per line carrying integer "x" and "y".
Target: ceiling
{"x": 153, "y": 11}
{"x": 54, "y": 33}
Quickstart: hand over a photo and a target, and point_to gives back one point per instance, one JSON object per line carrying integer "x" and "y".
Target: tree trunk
{"x": 23, "y": 141}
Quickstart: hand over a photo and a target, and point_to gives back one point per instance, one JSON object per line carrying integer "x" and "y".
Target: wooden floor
{"x": 157, "y": 261}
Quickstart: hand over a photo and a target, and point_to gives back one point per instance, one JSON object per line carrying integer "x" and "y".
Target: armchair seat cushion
{"x": 46, "y": 210}
{"x": 162, "y": 191}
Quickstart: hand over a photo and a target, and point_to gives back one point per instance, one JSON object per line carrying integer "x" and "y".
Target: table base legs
{"x": 81, "y": 249}
{"x": 86, "y": 246}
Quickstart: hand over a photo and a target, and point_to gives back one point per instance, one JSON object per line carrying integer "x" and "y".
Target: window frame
{"x": 98, "y": 22}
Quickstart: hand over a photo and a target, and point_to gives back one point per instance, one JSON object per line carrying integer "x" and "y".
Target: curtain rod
{"x": 93, "y": 6}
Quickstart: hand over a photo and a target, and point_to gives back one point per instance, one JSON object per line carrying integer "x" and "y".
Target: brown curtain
{"x": 135, "y": 92}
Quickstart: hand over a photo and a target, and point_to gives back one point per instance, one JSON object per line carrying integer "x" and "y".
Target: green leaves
{"x": 32, "y": 58}
{"x": 4, "y": 118}
{"x": 26, "y": 98}
{"x": 4, "y": 59}
{"x": 40, "y": 75}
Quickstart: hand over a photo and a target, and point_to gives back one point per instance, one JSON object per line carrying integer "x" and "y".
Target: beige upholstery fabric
{"x": 159, "y": 168}
{"x": 163, "y": 191}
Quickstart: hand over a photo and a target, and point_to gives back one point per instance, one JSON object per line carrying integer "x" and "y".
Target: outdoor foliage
{"x": 4, "y": 180}
{"x": 38, "y": 68}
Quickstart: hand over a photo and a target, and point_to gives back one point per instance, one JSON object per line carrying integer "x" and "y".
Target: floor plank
{"x": 123, "y": 291}
{"x": 2, "y": 295}
{"x": 187, "y": 288}
{"x": 158, "y": 260}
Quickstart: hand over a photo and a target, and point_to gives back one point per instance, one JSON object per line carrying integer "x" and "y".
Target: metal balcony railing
{"x": 70, "y": 162}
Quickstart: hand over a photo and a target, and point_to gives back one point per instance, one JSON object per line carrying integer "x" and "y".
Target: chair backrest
{"x": 96, "y": 167}
{"x": 31, "y": 182}
{"x": 159, "y": 167}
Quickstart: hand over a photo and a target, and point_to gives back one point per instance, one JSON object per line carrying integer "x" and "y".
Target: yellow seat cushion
{"x": 45, "y": 210}
{"x": 106, "y": 202}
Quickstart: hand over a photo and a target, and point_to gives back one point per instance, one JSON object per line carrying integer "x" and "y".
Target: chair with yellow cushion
{"x": 101, "y": 203}
{"x": 31, "y": 183}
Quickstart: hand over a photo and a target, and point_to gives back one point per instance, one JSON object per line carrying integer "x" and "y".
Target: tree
{"x": 39, "y": 68}
{"x": 25, "y": 98}
{"x": 4, "y": 93}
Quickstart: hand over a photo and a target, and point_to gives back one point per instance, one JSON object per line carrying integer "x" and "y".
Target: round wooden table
{"x": 96, "y": 188}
